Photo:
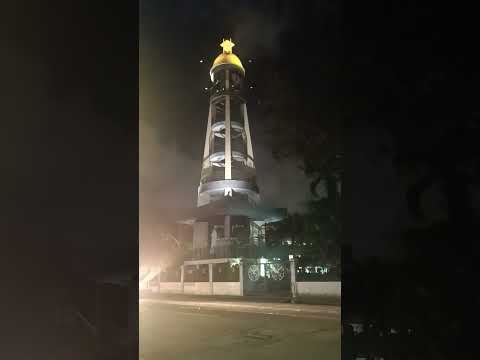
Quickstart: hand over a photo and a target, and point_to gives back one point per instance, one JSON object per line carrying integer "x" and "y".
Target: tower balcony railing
{"x": 226, "y": 251}
{"x": 217, "y": 93}
{"x": 240, "y": 171}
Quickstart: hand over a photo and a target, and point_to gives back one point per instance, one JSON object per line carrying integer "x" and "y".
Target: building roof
{"x": 240, "y": 207}
{"x": 227, "y": 206}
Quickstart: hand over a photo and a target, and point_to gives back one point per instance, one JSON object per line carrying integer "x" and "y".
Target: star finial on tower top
{"x": 227, "y": 46}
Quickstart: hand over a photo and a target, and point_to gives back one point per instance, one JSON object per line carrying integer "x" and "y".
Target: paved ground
{"x": 194, "y": 329}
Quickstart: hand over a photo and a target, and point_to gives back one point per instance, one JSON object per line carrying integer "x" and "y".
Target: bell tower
{"x": 229, "y": 219}
{"x": 228, "y": 168}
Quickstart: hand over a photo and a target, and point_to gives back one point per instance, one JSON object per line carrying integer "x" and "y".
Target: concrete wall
{"x": 226, "y": 288}
{"x": 311, "y": 288}
{"x": 197, "y": 288}
{"x": 305, "y": 288}
{"x": 170, "y": 288}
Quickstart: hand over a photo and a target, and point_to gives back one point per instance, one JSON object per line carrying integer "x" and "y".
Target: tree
{"x": 298, "y": 129}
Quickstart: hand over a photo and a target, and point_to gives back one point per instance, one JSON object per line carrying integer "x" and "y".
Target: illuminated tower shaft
{"x": 228, "y": 168}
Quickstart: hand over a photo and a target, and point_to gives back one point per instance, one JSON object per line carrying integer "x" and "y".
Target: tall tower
{"x": 229, "y": 219}
{"x": 228, "y": 168}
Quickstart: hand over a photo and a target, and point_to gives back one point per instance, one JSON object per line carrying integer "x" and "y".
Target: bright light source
{"x": 206, "y": 88}
{"x": 146, "y": 275}
{"x": 201, "y": 61}
{"x": 262, "y": 270}
{"x": 290, "y": 257}
{"x": 263, "y": 260}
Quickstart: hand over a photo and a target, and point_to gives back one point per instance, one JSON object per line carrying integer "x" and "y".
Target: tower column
{"x": 206, "y": 151}
{"x": 228, "y": 140}
{"x": 227, "y": 228}
{"x": 247, "y": 134}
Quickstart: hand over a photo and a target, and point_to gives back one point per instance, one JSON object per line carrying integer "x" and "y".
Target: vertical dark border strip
{"x": 69, "y": 145}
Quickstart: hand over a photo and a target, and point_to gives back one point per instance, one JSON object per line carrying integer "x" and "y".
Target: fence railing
{"x": 317, "y": 273}
{"x": 226, "y": 251}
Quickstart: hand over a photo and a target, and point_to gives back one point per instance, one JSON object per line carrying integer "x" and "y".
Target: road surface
{"x": 173, "y": 329}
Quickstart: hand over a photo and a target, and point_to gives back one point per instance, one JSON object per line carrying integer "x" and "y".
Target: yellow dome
{"x": 227, "y": 57}
{"x": 231, "y": 59}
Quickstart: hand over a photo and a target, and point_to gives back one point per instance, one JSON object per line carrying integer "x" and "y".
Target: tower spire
{"x": 227, "y": 46}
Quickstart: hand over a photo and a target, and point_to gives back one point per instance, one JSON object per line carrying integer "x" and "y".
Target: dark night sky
{"x": 174, "y": 37}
